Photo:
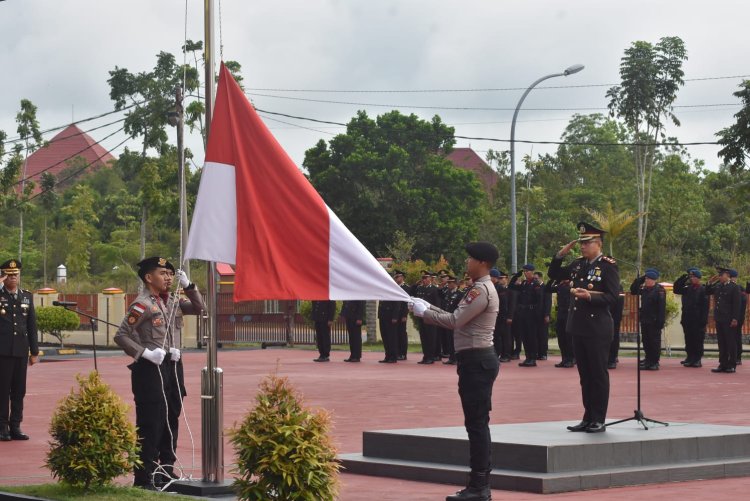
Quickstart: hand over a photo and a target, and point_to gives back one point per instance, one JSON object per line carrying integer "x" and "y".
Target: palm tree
{"x": 614, "y": 223}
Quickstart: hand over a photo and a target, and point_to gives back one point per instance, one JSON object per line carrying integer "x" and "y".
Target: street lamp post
{"x": 513, "y": 237}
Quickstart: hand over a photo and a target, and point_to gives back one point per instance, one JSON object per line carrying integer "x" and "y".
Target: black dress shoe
{"x": 350, "y": 359}
{"x": 739, "y": 362}
{"x": 686, "y": 362}
{"x": 528, "y": 363}
{"x": 515, "y": 356}
{"x": 728, "y": 370}
{"x": 596, "y": 428}
{"x": 560, "y": 364}
{"x": 17, "y": 434}
{"x": 449, "y": 362}
{"x": 426, "y": 361}
{"x": 582, "y": 426}
{"x": 718, "y": 369}
{"x": 612, "y": 365}
{"x": 385, "y": 361}
{"x": 4, "y": 435}
{"x": 569, "y": 364}
{"x": 401, "y": 357}
{"x": 697, "y": 364}
{"x": 652, "y": 367}
{"x": 504, "y": 359}
{"x": 542, "y": 357}
{"x": 321, "y": 359}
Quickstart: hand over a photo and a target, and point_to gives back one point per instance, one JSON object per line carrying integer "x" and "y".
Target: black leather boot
{"x": 17, "y": 434}
{"x": 477, "y": 490}
{"x": 4, "y": 435}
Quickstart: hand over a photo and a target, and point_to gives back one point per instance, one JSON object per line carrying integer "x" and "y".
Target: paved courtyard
{"x": 370, "y": 396}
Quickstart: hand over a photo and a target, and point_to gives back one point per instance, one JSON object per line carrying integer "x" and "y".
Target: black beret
{"x": 151, "y": 263}
{"x": 528, "y": 267}
{"x": 11, "y": 267}
{"x": 482, "y": 251}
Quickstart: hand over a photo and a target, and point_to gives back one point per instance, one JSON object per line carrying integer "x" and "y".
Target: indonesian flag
{"x": 255, "y": 209}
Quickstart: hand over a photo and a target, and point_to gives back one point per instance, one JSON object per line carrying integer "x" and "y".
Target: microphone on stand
{"x": 64, "y": 304}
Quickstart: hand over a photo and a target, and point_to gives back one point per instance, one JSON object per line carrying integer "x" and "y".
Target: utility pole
{"x": 180, "y": 110}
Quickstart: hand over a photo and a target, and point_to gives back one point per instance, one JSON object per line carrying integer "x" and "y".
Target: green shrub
{"x": 283, "y": 449}
{"x": 53, "y": 320}
{"x": 93, "y": 441}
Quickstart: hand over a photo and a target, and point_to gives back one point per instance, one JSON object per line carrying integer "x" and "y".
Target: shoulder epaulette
{"x": 609, "y": 259}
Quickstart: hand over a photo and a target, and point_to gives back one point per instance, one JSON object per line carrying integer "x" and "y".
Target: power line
{"x": 488, "y": 89}
{"x": 52, "y": 141}
{"x": 299, "y": 126}
{"x": 524, "y": 141}
{"x": 466, "y": 108}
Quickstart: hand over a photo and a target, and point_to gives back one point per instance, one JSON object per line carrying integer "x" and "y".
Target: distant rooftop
{"x": 468, "y": 159}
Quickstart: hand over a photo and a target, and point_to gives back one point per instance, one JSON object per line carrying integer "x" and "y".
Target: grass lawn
{"x": 59, "y": 492}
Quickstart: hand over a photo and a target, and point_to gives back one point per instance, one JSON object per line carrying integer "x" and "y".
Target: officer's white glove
{"x": 154, "y": 356}
{"x": 419, "y": 306}
{"x": 174, "y": 354}
{"x": 182, "y": 278}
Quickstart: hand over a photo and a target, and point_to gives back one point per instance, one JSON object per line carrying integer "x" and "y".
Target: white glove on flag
{"x": 182, "y": 278}
{"x": 419, "y": 306}
{"x": 175, "y": 354}
{"x": 154, "y": 356}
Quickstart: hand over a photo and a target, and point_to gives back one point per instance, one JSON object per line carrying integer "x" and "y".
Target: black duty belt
{"x": 474, "y": 354}
{"x": 527, "y": 306}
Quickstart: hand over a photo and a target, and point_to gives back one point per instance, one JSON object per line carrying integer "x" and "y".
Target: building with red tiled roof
{"x": 62, "y": 149}
{"x": 467, "y": 159}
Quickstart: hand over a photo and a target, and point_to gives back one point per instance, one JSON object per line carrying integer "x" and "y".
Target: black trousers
{"x": 727, "y": 338}
{"x": 389, "y": 333}
{"x": 12, "y": 390}
{"x": 614, "y": 346}
{"x": 355, "y": 337}
{"x": 564, "y": 339}
{"x": 529, "y": 326}
{"x": 515, "y": 330}
{"x": 651, "y": 335}
{"x": 323, "y": 337}
{"x": 428, "y": 338}
{"x": 591, "y": 359}
{"x": 445, "y": 337}
{"x": 477, "y": 370}
{"x": 403, "y": 338}
{"x": 158, "y": 422}
{"x": 694, "y": 339}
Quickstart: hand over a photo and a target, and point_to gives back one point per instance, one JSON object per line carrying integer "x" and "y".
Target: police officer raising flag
{"x": 473, "y": 325}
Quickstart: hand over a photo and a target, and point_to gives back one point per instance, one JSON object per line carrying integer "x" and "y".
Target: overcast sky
{"x": 58, "y": 54}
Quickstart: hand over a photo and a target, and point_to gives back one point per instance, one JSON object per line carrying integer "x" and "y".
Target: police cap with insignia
{"x": 529, "y": 267}
{"x": 11, "y": 267}
{"x": 652, "y": 273}
{"x": 695, "y": 272}
{"x": 503, "y": 274}
{"x": 397, "y": 273}
{"x": 482, "y": 251}
{"x": 151, "y": 263}
{"x": 451, "y": 278}
{"x": 495, "y": 273}
{"x": 587, "y": 231}
{"x": 722, "y": 269}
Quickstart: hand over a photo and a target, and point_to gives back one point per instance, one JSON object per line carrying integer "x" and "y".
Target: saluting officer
{"x": 694, "y": 315}
{"x": 473, "y": 324}
{"x": 18, "y": 349}
{"x": 150, "y": 333}
{"x": 652, "y": 315}
{"x": 595, "y": 283}
{"x": 726, "y": 316}
{"x": 529, "y": 301}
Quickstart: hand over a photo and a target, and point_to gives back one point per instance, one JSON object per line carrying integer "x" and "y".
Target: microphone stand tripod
{"x": 94, "y": 320}
{"x": 638, "y": 413}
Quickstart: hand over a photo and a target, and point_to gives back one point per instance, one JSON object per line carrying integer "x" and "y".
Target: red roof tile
{"x": 467, "y": 159}
{"x": 72, "y": 142}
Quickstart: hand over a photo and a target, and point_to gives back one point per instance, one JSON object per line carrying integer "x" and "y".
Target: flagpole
{"x": 212, "y": 437}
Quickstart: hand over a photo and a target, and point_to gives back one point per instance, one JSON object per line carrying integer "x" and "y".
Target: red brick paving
{"x": 377, "y": 396}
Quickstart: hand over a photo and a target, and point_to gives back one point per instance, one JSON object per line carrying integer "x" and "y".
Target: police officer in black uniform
{"x": 504, "y": 319}
{"x": 451, "y": 299}
{"x": 18, "y": 349}
{"x": 545, "y": 309}
{"x": 353, "y": 312}
{"x": 401, "y": 334}
{"x": 694, "y": 315}
{"x": 427, "y": 332}
{"x": 652, "y": 315}
{"x": 323, "y": 313}
{"x": 389, "y": 317}
{"x": 529, "y": 300}
{"x": 733, "y": 276}
{"x": 726, "y": 316}
{"x": 595, "y": 284}
{"x": 564, "y": 339}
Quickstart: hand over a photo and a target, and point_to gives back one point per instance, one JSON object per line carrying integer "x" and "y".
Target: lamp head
{"x": 573, "y": 69}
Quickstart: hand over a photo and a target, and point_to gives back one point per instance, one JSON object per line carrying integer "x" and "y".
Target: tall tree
{"x": 29, "y": 132}
{"x": 47, "y": 201}
{"x": 650, "y": 77}
{"x": 391, "y": 174}
{"x": 82, "y": 219}
{"x": 735, "y": 139}
{"x": 613, "y": 222}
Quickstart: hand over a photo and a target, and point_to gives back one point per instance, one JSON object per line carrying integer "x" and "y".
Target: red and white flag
{"x": 255, "y": 209}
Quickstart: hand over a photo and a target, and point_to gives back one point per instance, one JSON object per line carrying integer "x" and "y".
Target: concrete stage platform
{"x": 546, "y": 458}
